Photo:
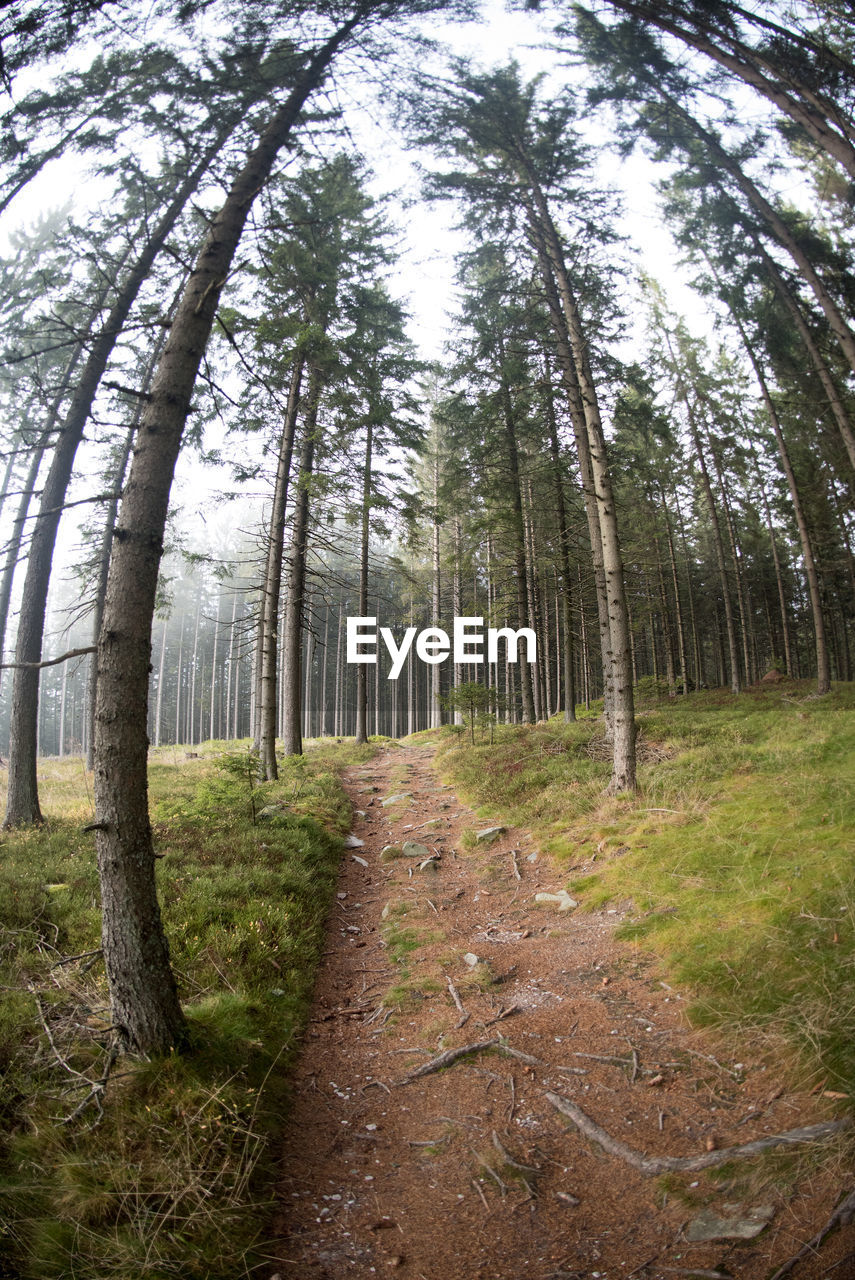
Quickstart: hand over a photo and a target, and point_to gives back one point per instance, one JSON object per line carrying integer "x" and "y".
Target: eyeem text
{"x": 433, "y": 645}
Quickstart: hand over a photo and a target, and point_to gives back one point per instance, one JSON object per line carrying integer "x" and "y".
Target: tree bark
{"x": 563, "y": 538}
{"x": 273, "y": 581}
{"x": 735, "y": 683}
{"x": 362, "y": 670}
{"x": 518, "y": 527}
{"x": 142, "y": 987}
{"x": 573, "y": 391}
{"x": 22, "y": 799}
{"x": 823, "y": 669}
{"x": 619, "y": 669}
{"x": 292, "y": 736}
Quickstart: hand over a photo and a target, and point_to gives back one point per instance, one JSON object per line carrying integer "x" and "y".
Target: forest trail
{"x": 470, "y": 1172}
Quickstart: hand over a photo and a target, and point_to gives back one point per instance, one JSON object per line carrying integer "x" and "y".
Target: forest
{"x": 538, "y": 317}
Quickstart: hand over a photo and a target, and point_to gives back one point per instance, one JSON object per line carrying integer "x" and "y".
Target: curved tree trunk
{"x": 142, "y": 987}
{"x": 23, "y": 800}
{"x": 106, "y": 544}
{"x": 776, "y": 224}
{"x": 806, "y": 108}
{"x": 835, "y": 400}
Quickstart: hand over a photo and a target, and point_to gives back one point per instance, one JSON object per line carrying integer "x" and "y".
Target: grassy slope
{"x": 737, "y": 852}
{"x": 174, "y": 1179}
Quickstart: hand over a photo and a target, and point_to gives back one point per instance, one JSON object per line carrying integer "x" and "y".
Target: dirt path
{"x": 471, "y": 1172}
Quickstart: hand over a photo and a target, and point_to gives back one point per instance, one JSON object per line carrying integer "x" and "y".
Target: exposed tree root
{"x": 451, "y": 1055}
{"x": 842, "y": 1216}
{"x": 654, "y": 1165}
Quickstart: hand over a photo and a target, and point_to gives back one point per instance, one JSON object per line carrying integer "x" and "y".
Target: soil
{"x": 470, "y": 1171}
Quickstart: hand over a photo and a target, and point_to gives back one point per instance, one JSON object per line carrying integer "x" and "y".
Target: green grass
{"x": 175, "y": 1177}
{"x": 736, "y": 854}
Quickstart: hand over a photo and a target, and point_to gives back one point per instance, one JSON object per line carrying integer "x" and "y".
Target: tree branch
{"x": 50, "y": 662}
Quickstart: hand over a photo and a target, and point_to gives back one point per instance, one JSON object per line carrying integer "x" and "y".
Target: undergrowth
{"x": 167, "y": 1170}
{"x": 735, "y": 857}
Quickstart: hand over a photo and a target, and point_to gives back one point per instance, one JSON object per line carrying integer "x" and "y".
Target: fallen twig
{"x": 693, "y": 1053}
{"x": 701, "y": 1272}
{"x": 378, "y": 1084}
{"x": 84, "y": 955}
{"x": 611, "y": 1059}
{"x": 841, "y": 1217}
{"x": 502, "y": 1014}
{"x": 96, "y": 1093}
{"x": 463, "y": 1016}
{"x": 654, "y": 1165}
{"x": 481, "y": 1194}
{"x": 66, "y": 1066}
{"x": 455, "y": 995}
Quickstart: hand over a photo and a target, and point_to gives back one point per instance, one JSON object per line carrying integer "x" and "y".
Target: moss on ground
{"x": 170, "y": 1169}
{"x": 736, "y": 853}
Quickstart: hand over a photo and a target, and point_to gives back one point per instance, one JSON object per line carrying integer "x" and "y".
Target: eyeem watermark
{"x": 434, "y": 645}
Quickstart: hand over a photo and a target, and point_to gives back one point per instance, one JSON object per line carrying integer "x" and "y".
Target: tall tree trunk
{"x": 338, "y": 666}
{"x": 324, "y": 730}
{"x": 823, "y": 670}
{"x": 779, "y": 575}
{"x": 563, "y": 538}
{"x": 736, "y": 558}
{"x": 573, "y": 391}
{"x": 22, "y": 805}
{"x": 13, "y": 548}
{"x": 518, "y": 533}
{"x": 158, "y": 717}
{"x": 619, "y": 667}
{"x": 104, "y": 554}
{"x": 667, "y": 635}
{"x": 273, "y": 581}
{"x": 678, "y": 607}
{"x": 310, "y": 646}
{"x": 735, "y": 683}
{"x": 142, "y": 987}
{"x": 436, "y": 602}
{"x": 365, "y": 532}
{"x": 457, "y": 609}
{"x": 690, "y": 591}
{"x": 292, "y": 648}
